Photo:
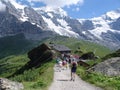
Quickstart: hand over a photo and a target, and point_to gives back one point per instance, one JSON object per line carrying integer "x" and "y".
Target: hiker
{"x": 67, "y": 65}
{"x": 57, "y": 61}
{"x": 73, "y": 70}
{"x": 64, "y": 64}
{"x": 59, "y": 64}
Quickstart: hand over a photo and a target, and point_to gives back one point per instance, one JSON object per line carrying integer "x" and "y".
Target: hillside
{"x": 37, "y": 78}
{"x": 82, "y": 45}
{"x": 33, "y": 79}
{"x": 14, "y": 45}
{"x": 111, "y": 55}
{"x": 20, "y": 68}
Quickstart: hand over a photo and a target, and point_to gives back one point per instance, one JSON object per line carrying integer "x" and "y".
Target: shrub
{"x": 39, "y": 84}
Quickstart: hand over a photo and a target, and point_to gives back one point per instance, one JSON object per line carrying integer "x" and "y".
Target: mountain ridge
{"x": 101, "y": 29}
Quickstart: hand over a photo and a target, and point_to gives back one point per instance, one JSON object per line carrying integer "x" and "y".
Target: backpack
{"x": 74, "y": 64}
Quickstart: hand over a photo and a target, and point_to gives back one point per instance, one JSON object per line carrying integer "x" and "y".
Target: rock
{"x": 6, "y": 84}
{"x": 40, "y": 55}
{"x": 89, "y": 55}
{"x": 110, "y": 67}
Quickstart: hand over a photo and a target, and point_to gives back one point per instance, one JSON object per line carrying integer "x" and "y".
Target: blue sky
{"x": 93, "y": 8}
{"x": 78, "y": 8}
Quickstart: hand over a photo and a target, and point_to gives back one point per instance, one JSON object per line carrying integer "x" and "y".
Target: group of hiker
{"x": 65, "y": 62}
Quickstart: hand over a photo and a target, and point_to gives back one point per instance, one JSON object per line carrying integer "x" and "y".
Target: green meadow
{"x": 13, "y": 56}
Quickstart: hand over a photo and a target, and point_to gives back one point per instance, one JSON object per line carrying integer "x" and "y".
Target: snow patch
{"x": 103, "y": 28}
{"x": 16, "y": 5}
{"x": 39, "y": 26}
{"x": 49, "y": 14}
{"x": 60, "y": 30}
{"x": 23, "y": 16}
{"x": 59, "y": 11}
{"x": 63, "y": 23}
{"x": 33, "y": 23}
{"x": 113, "y": 15}
{"x": 115, "y": 31}
{"x": 84, "y": 32}
{"x": 81, "y": 20}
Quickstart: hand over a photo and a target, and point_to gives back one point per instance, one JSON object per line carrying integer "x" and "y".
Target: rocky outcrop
{"x": 110, "y": 67}
{"x": 89, "y": 55}
{"x": 38, "y": 56}
{"x": 6, "y": 84}
{"x": 116, "y": 24}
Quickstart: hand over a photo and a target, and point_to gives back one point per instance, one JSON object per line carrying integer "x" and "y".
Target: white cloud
{"x": 2, "y": 7}
{"x": 59, "y": 3}
{"x": 77, "y": 9}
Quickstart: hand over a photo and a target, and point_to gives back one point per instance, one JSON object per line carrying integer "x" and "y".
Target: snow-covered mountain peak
{"x": 59, "y": 11}
{"x": 107, "y": 17}
{"x": 118, "y": 10}
{"x": 18, "y": 6}
{"x": 113, "y": 14}
{"x": 15, "y": 4}
{"x": 104, "y": 29}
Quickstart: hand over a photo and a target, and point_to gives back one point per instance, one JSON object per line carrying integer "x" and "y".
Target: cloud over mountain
{"x": 58, "y": 3}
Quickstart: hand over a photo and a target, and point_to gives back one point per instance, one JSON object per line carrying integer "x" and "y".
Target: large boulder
{"x": 110, "y": 67}
{"x": 35, "y": 53}
{"x": 6, "y": 84}
{"x": 40, "y": 55}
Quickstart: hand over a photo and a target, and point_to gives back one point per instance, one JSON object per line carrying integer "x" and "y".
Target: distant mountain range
{"x": 37, "y": 24}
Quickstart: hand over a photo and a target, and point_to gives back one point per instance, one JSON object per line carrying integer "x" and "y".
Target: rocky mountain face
{"x": 11, "y": 25}
{"x": 26, "y": 20}
{"x": 116, "y": 24}
{"x": 43, "y": 22}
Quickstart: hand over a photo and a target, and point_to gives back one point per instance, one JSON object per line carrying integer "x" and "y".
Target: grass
{"x": 84, "y": 46}
{"x": 113, "y": 54}
{"x": 32, "y": 79}
{"x": 11, "y": 64}
{"x": 41, "y": 81}
{"x": 40, "y": 78}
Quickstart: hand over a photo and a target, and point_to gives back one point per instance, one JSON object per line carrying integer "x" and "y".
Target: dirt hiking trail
{"x": 62, "y": 81}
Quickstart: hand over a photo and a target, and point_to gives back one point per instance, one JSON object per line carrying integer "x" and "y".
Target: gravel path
{"x": 62, "y": 82}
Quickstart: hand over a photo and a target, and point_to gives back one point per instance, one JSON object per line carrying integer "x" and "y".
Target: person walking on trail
{"x": 73, "y": 70}
{"x": 64, "y": 64}
{"x": 57, "y": 60}
{"x": 59, "y": 63}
